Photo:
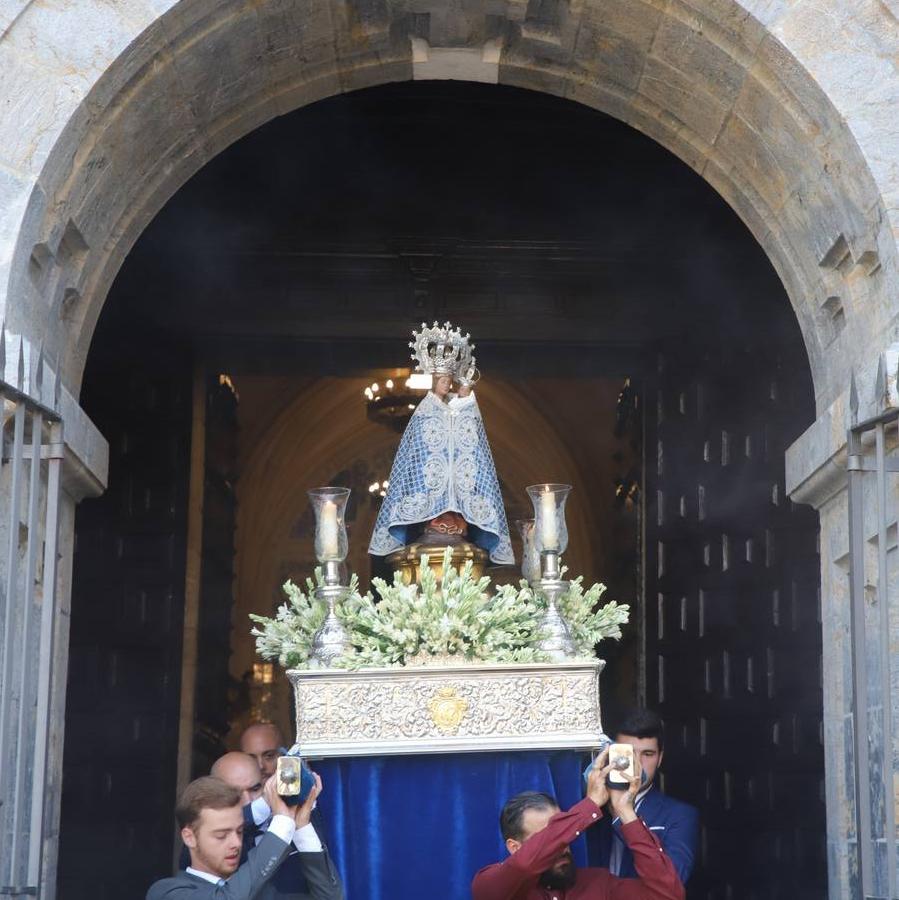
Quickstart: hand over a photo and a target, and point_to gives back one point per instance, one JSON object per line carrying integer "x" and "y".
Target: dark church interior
{"x": 613, "y": 296}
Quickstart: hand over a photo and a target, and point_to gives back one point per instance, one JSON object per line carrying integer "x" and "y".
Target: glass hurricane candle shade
{"x": 329, "y": 506}
{"x": 550, "y": 532}
{"x": 530, "y": 555}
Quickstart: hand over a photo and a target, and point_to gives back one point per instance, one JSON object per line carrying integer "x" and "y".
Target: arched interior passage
{"x": 295, "y": 266}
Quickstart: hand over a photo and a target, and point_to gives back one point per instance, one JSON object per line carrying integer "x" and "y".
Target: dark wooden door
{"x": 122, "y": 703}
{"x": 217, "y": 695}
{"x": 732, "y": 626}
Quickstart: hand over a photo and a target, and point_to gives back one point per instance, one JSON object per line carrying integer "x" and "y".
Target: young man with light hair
{"x": 210, "y": 816}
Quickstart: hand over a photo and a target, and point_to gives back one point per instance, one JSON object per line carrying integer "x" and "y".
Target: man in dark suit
{"x": 241, "y": 771}
{"x": 291, "y": 881}
{"x": 675, "y": 824}
{"x": 211, "y": 819}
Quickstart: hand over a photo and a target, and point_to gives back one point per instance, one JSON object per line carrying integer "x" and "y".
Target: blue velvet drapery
{"x": 411, "y": 827}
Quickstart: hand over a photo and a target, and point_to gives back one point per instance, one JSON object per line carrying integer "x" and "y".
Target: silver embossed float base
{"x": 448, "y": 708}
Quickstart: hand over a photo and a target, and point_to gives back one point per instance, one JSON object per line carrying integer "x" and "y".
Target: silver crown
{"x": 442, "y": 350}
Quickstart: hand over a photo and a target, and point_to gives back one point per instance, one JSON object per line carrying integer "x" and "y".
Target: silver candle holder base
{"x": 557, "y": 640}
{"x": 331, "y": 640}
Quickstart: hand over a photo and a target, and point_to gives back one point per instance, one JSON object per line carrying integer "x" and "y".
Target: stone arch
{"x": 787, "y": 109}
{"x": 117, "y": 118}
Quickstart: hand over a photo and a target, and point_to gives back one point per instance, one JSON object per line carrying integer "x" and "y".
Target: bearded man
{"x": 540, "y": 865}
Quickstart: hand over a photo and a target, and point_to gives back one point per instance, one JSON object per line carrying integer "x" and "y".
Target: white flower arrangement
{"x": 456, "y": 619}
{"x": 590, "y": 623}
{"x": 288, "y": 636}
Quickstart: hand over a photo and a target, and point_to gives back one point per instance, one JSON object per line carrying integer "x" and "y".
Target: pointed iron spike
{"x": 39, "y": 370}
{"x": 57, "y": 384}
{"x": 20, "y": 368}
{"x": 880, "y": 383}
{"x": 853, "y": 399}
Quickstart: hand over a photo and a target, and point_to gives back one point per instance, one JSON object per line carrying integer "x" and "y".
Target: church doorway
{"x": 635, "y": 342}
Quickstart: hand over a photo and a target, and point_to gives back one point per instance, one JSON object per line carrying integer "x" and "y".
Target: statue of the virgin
{"x": 443, "y": 478}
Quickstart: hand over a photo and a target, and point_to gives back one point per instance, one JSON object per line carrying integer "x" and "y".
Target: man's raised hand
{"x": 303, "y": 812}
{"x": 623, "y": 801}
{"x": 274, "y": 800}
{"x": 597, "y": 789}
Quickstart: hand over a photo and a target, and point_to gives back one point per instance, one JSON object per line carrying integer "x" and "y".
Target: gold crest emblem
{"x": 447, "y": 709}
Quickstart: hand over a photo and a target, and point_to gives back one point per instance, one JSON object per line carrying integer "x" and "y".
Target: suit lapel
{"x": 651, "y": 806}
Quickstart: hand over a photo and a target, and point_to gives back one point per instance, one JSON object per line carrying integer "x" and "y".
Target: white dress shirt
{"x": 304, "y": 839}
{"x": 206, "y": 876}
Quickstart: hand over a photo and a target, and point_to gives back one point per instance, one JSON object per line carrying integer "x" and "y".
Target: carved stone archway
{"x": 787, "y": 109}
{"x": 107, "y": 119}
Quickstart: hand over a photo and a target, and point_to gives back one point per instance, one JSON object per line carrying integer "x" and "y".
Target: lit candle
{"x": 328, "y": 530}
{"x": 549, "y": 525}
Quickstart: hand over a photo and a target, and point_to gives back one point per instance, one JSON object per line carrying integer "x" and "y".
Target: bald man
{"x": 241, "y": 771}
{"x": 264, "y": 742}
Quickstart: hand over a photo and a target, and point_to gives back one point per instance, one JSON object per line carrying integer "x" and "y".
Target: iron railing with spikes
{"x": 30, "y": 478}
{"x": 870, "y": 633}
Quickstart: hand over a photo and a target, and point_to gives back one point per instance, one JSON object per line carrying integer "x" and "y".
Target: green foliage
{"x": 457, "y": 618}
{"x": 288, "y": 636}
{"x": 588, "y": 624}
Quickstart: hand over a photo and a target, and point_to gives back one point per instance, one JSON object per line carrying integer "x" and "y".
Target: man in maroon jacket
{"x": 540, "y": 865}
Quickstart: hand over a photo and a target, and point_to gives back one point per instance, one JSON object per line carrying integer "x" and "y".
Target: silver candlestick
{"x": 557, "y": 640}
{"x": 331, "y": 640}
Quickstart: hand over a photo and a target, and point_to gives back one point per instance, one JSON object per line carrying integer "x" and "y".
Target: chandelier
{"x": 378, "y": 489}
{"x": 393, "y": 401}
